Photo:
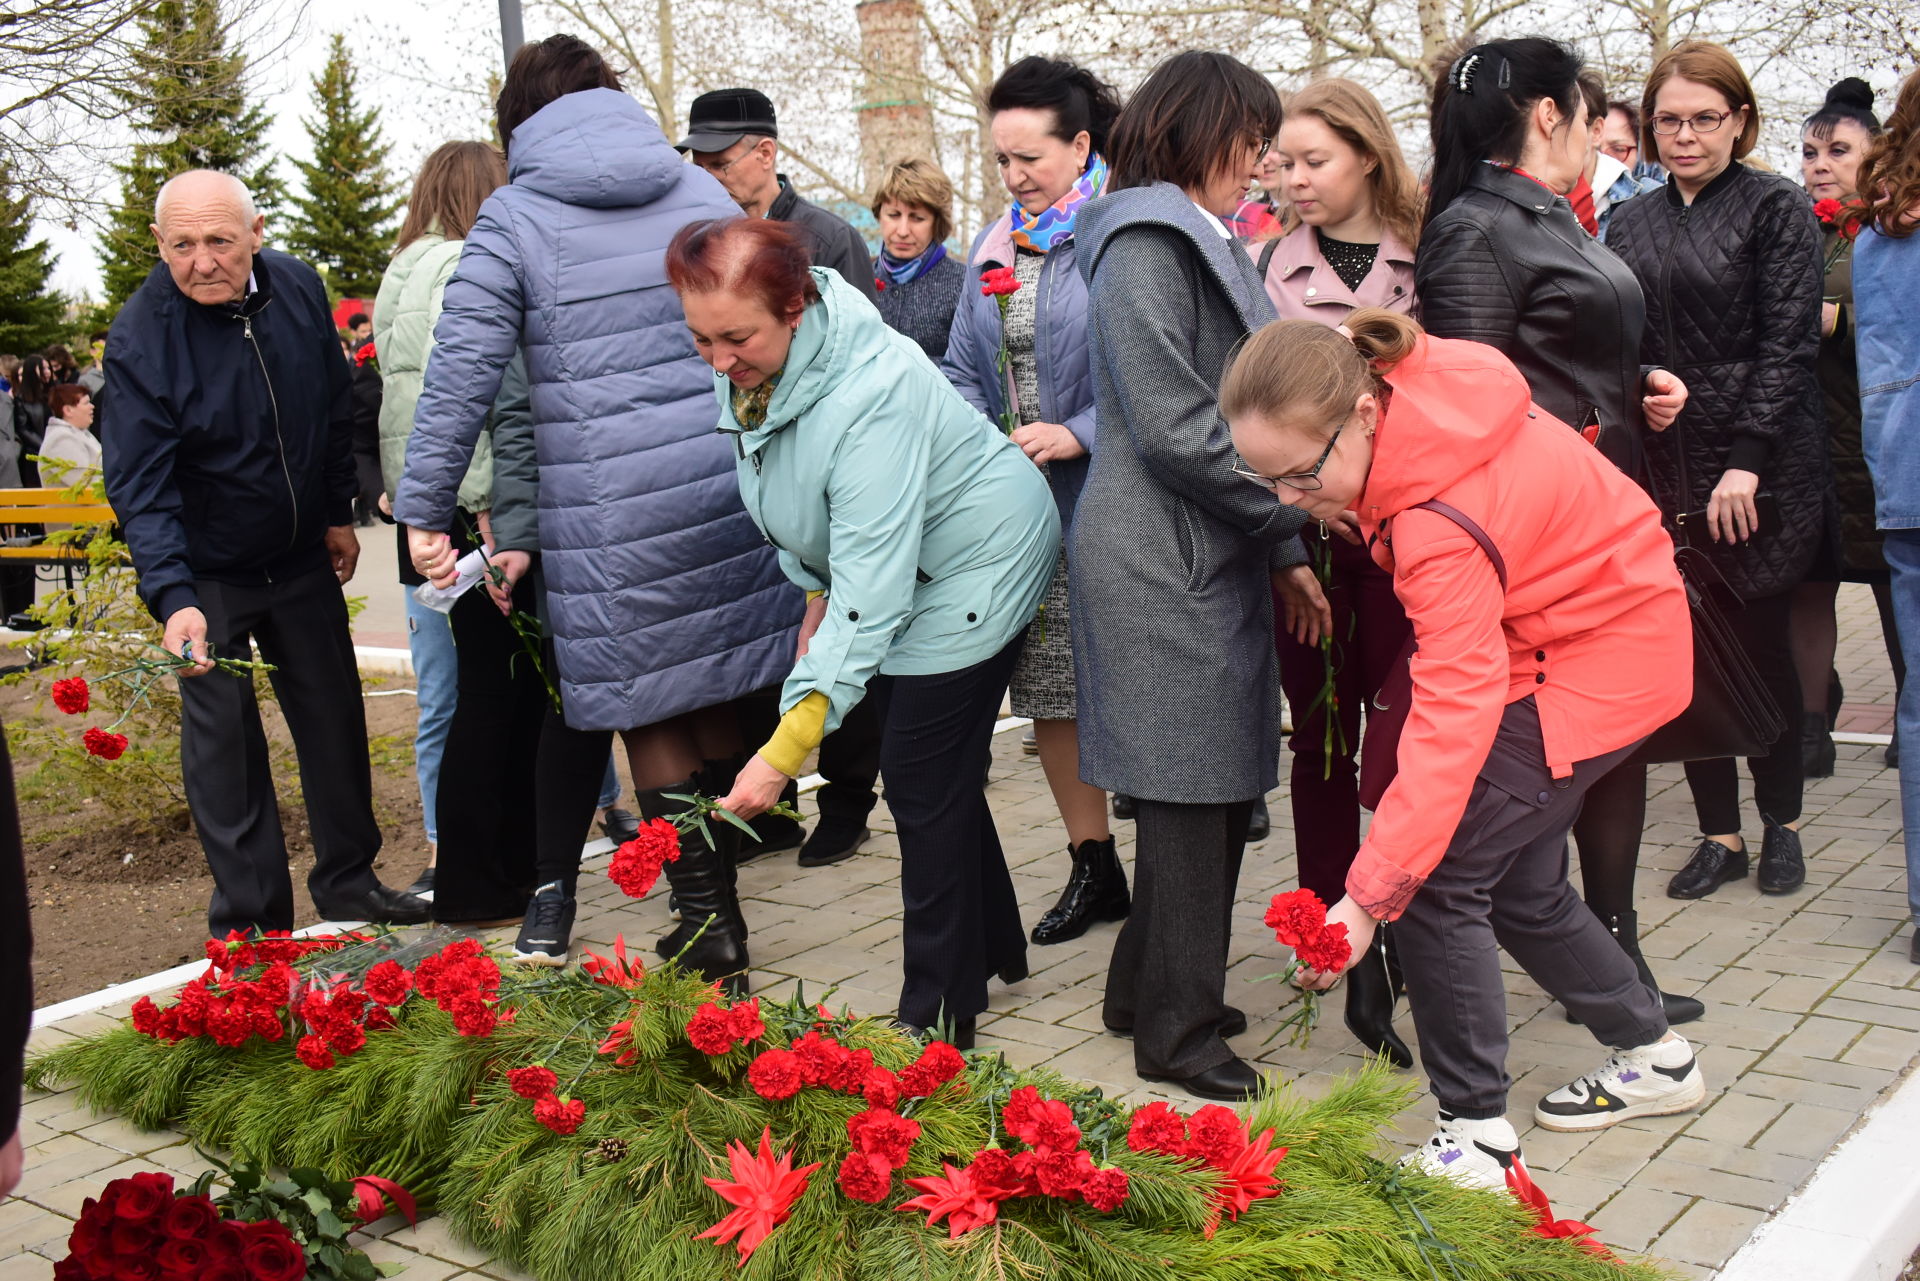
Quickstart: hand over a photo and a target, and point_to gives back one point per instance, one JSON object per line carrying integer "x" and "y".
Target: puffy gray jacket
{"x": 661, "y": 595}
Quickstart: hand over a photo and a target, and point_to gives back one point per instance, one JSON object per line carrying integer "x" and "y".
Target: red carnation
{"x": 313, "y": 1052}
{"x": 1217, "y": 1135}
{"x": 1060, "y": 1173}
{"x": 534, "y": 1082}
{"x": 937, "y": 1064}
{"x": 1295, "y": 915}
{"x": 562, "y": 1116}
{"x": 1000, "y": 1174}
{"x": 387, "y": 983}
{"x": 880, "y": 1088}
{"x": 883, "y": 1133}
{"x": 71, "y": 695}
{"x": 472, "y": 1016}
{"x": 710, "y": 1030}
{"x": 1105, "y": 1190}
{"x": 1326, "y": 950}
{"x": 1042, "y": 1123}
{"x": 108, "y": 747}
{"x": 745, "y": 1022}
{"x": 1826, "y": 210}
{"x": 777, "y": 1074}
{"x": 998, "y": 281}
{"x": 636, "y": 865}
{"x": 349, "y": 1038}
{"x": 1158, "y": 1127}
{"x": 865, "y": 1178}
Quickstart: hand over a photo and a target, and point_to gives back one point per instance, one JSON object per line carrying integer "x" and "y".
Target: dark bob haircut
{"x": 1080, "y": 101}
{"x": 751, "y": 257}
{"x": 545, "y": 70}
{"x": 1183, "y": 125}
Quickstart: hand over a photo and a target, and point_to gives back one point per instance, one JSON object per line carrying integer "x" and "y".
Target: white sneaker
{"x": 1661, "y": 1079}
{"x": 1474, "y": 1154}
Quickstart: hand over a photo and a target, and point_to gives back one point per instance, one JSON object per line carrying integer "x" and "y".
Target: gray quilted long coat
{"x": 661, "y": 594}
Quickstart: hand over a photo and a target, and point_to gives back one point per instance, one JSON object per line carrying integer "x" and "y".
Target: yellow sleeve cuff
{"x": 814, "y": 595}
{"x": 798, "y": 733}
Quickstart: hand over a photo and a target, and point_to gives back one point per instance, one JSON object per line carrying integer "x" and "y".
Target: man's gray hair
{"x": 239, "y": 190}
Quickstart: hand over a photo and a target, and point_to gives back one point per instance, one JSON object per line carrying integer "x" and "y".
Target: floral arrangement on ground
{"x": 621, "y": 1122}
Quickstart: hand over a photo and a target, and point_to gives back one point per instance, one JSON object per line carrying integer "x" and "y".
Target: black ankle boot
{"x": 1816, "y": 746}
{"x": 1096, "y": 891}
{"x": 702, "y": 882}
{"x": 1370, "y": 1006}
{"x": 1625, "y": 928}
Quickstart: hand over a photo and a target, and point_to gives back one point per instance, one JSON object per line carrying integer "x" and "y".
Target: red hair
{"x": 753, "y": 257}
{"x": 64, "y": 397}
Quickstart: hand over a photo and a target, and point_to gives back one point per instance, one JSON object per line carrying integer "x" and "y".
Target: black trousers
{"x": 961, "y": 920}
{"x": 1503, "y": 884}
{"x": 1168, "y": 976}
{"x": 486, "y": 825}
{"x": 1762, "y": 629}
{"x": 301, "y": 628}
{"x": 850, "y": 762}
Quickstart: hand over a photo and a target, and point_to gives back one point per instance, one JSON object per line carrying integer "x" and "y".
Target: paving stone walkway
{"x": 1813, "y": 1010}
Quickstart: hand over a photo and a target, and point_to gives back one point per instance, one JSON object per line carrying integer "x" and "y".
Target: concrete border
{"x": 1858, "y": 1217}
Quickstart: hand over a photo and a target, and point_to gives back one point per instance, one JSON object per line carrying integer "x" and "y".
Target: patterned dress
{"x": 1043, "y": 676}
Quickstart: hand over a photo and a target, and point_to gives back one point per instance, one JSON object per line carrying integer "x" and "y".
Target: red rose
{"x": 226, "y": 1241}
{"x": 128, "y": 1237}
{"x": 71, "y": 695}
{"x": 777, "y": 1074}
{"x": 72, "y": 1269}
{"x": 225, "y": 1270}
{"x": 136, "y": 1267}
{"x": 562, "y": 1116}
{"x": 534, "y": 1082}
{"x": 108, "y": 747}
{"x": 865, "y": 1178}
{"x": 387, "y": 983}
{"x": 313, "y": 1052}
{"x": 189, "y": 1218}
{"x": 182, "y": 1258}
{"x": 272, "y": 1255}
{"x": 142, "y": 1197}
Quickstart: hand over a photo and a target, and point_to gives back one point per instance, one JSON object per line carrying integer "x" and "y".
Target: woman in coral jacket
{"x": 1553, "y": 637}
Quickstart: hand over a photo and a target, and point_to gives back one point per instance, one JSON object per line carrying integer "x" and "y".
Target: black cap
{"x": 719, "y": 119}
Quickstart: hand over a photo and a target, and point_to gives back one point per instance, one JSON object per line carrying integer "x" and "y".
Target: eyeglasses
{"x": 1266, "y": 145}
{"x": 1705, "y": 122}
{"x": 1304, "y": 482}
{"x": 720, "y": 171}
{"x": 1620, "y": 151}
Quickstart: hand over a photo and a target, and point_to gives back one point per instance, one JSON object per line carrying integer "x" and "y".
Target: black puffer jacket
{"x": 1507, "y": 264}
{"x": 1856, "y": 555}
{"x": 1733, "y": 307}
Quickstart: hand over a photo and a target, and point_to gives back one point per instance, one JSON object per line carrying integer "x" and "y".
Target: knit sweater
{"x": 922, "y": 309}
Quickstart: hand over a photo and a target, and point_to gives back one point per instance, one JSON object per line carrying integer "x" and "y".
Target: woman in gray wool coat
{"x": 1178, "y": 696}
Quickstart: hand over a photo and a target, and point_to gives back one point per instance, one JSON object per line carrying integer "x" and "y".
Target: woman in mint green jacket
{"x": 924, "y": 539}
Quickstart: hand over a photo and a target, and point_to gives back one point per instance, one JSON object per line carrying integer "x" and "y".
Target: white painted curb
{"x": 1858, "y": 1218}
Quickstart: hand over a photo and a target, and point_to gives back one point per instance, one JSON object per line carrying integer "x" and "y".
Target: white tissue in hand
{"x": 471, "y": 569}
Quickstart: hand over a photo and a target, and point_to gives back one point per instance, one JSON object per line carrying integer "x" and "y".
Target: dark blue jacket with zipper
{"x": 231, "y": 449}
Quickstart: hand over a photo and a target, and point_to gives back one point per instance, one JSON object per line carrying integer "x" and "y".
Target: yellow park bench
{"x": 30, "y": 511}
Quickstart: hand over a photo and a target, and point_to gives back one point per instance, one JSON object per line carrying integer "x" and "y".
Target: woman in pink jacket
{"x": 1553, "y": 637}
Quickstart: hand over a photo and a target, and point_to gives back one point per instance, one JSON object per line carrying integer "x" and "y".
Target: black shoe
{"x": 833, "y": 841}
{"x": 1913, "y": 948}
{"x": 1029, "y": 745}
{"x": 1258, "y": 822}
{"x": 1232, "y": 1024}
{"x": 377, "y": 906}
{"x": 1625, "y": 928}
{"x": 959, "y": 1035}
{"x": 1096, "y": 891}
{"x": 422, "y": 887}
{"x": 548, "y": 929}
{"x": 1013, "y": 971}
{"x": 1234, "y": 1081}
{"x": 1836, "y": 695}
{"x": 1370, "y": 1007}
{"x": 771, "y": 835}
{"x": 1892, "y": 755}
{"x": 1711, "y": 866}
{"x": 702, "y": 880}
{"x": 1783, "y": 868}
{"x": 1816, "y": 747}
{"x": 620, "y": 826}
{"x": 24, "y": 622}
{"x": 1122, "y": 806}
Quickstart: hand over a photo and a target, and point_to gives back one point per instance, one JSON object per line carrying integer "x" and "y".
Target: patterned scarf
{"x": 896, "y": 272}
{"x": 750, "y": 403}
{"x": 1054, "y": 224}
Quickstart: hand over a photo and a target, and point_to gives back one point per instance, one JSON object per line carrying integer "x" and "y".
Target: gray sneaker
{"x": 548, "y": 929}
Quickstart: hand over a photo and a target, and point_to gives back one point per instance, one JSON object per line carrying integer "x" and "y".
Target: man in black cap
{"x": 731, "y": 133}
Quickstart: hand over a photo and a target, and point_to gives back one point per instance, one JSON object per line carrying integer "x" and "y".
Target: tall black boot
{"x": 1096, "y": 891}
{"x": 1370, "y": 1005}
{"x": 701, "y": 881}
{"x": 1625, "y": 928}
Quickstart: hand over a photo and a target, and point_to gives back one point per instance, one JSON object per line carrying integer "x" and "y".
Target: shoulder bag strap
{"x": 1266, "y": 256}
{"x": 1466, "y": 522}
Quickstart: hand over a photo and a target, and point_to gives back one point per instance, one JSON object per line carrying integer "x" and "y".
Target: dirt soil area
{"x": 113, "y": 900}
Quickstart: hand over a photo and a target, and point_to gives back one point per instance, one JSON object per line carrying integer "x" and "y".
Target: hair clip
{"x": 1506, "y": 74}
{"x": 1463, "y": 73}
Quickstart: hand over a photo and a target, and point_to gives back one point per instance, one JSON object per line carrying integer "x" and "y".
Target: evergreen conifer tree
{"x": 342, "y": 225}
{"x": 30, "y": 316}
{"x": 188, "y": 100}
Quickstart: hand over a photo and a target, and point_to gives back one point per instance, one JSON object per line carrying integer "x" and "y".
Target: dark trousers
{"x": 961, "y": 921}
{"x": 1503, "y": 884}
{"x": 301, "y": 628}
{"x": 850, "y": 762}
{"x": 1168, "y": 976}
{"x": 482, "y": 812}
{"x": 567, "y": 774}
{"x": 1369, "y": 630}
{"x": 1763, "y": 630}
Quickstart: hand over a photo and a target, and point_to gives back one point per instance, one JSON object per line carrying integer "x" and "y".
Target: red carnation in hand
{"x": 777, "y": 1074}
{"x": 865, "y": 1178}
{"x": 1327, "y": 950}
{"x": 1826, "y": 210}
{"x": 71, "y": 695}
{"x": 562, "y": 1116}
{"x": 534, "y": 1082}
{"x": 636, "y": 865}
{"x": 1296, "y": 915}
{"x": 98, "y": 742}
{"x": 998, "y": 281}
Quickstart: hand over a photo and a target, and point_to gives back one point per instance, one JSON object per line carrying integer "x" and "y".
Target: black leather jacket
{"x": 1733, "y": 307}
{"x": 1507, "y": 264}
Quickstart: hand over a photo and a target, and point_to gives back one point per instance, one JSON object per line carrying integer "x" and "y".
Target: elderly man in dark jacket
{"x": 231, "y": 467}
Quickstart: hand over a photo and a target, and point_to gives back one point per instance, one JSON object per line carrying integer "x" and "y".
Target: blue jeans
{"x": 436, "y": 676}
{"x": 1902, "y": 549}
{"x": 609, "y": 787}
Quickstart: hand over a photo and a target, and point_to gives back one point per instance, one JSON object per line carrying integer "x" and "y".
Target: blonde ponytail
{"x": 1301, "y": 369}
